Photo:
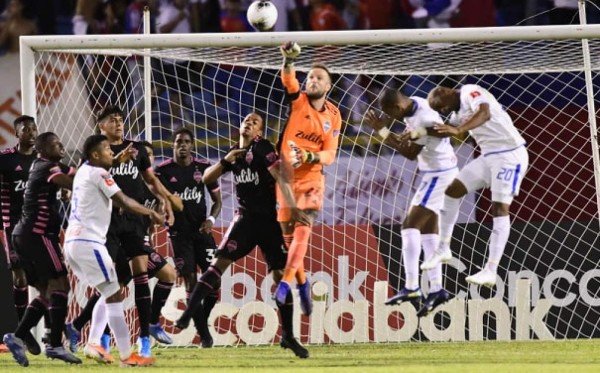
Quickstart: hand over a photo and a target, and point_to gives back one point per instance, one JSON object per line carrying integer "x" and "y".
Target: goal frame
{"x": 30, "y": 44}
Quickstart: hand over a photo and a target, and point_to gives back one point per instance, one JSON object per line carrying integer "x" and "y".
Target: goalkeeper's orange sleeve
{"x": 289, "y": 80}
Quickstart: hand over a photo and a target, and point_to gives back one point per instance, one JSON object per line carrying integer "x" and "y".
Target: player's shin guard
{"x": 286, "y": 312}
{"x": 208, "y": 283}
{"x": 297, "y": 252}
{"x": 143, "y": 302}
{"x": 116, "y": 320}
{"x": 159, "y": 298}
{"x": 58, "y": 316}
{"x": 20, "y": 298}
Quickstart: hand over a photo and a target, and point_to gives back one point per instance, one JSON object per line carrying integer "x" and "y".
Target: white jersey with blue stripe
{"x": 498, "y": 133}
{"x": 437, "y": 153}
{"x": 91, "y": 204}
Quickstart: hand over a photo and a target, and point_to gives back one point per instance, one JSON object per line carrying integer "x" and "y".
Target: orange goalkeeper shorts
{"x": 308, "y": 195}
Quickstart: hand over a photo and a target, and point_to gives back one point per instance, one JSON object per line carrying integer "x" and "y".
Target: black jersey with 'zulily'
{"x": 40, "y": 202}
{"x": 14, "y": 172}
{"x": 128, "y": 175}
{"x": 254, "y": 184}
{"x": 186, "y": 182}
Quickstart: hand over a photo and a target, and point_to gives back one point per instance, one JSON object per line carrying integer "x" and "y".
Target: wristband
{"x": 225, "y": 163}
{"x": 384, "y": 132}
{"x": 211, "y": 219}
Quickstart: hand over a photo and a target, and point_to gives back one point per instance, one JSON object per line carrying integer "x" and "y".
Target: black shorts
{"x": 126, "y": 232}
{"x": 247, "y": 231}
{"x": 191, "y": 250}
{"x": 155, "y": 261}
{"x": 41, "y": 257}
{"x": 12, "y": 259}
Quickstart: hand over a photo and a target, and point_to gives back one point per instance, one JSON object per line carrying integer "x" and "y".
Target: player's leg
{"x": 506, "y": 174}
{"x": 205, "y": 250}
{"x": 237, "y": 242}
{"x": 275, "y": 252}
{"x": 165, "y": 273}
{"x": 132, "y": 240}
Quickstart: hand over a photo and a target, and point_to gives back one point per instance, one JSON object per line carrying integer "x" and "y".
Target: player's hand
{"x": 375, "y": 121}
{"x": 234, "y": 154}
{"x": 157, "y": 218}
{"x": 176, "y": 202}
{"x": 446, "y": 130}
{"x": 206, "y": 226}
{"x": 126, "y": 154}
{"x": 170, "y": 214}
{"x": 298, "y": 156}
{"x": 290, "y": 50}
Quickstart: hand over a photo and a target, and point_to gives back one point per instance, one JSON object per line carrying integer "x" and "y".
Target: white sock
{"x": 99, "y": 320}
{"x": 430, "y": 243}
{"x": 498, "y": 240}
{"x": 411, "y": 250}
{"x": 448, "y": 217}
{"x": 118, "y": 326}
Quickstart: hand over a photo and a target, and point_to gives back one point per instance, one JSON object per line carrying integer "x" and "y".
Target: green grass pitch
{"x": 488, "y": 357}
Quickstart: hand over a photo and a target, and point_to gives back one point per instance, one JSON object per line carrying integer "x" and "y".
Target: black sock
{"x": 286, "y": 311}
{"x": 208, "y": 283}
{"x": 58, "y": 315}
{"x": 32, "y": 316}
{"x": 86, "y": 313}
{"x": 20, "y": 298}
{"x": 143, "y": 302}
{"x": 159, "y": 298}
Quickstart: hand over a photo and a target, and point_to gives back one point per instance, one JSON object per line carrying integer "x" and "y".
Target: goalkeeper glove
{"x": 290, "y": 51}
{"x": 299, "y": 156}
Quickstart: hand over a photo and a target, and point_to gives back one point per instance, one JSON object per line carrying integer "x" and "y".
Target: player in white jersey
{"x": 94, "y": 191}
{"x": 501, "y": 167}
{"x": 437, "y": 165}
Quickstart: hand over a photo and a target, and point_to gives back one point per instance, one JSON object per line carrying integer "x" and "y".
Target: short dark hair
{"x": 147, "y": 144}
{"x": 183, "y": 131}
{"x": 22, "y": 120}
{"x": 40, "y": 141}
{"x": 90, "y": 145}
{"x": 107, "y": 111}
{"x": 324, "y": 68}
{"x": 389, "y": 97}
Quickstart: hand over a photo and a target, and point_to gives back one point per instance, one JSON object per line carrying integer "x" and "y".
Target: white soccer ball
{"x": 262, "y": 15}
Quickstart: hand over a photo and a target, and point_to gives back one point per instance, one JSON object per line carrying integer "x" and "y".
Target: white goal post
{"x": 546, "y": 77}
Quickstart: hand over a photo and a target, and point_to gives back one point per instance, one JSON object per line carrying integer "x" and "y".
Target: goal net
{"x": 548, "y": 284}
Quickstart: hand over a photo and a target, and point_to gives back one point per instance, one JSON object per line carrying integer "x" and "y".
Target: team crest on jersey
{"x": 197, "y": 176}
{"x": 249, "y": 157}
{"x": 106, "y": 176}
{"x": 336, "y": 133}
{"x": 327, "y": 126}
{"x": 231, "y": 246}
{"x": 475, "y": 94}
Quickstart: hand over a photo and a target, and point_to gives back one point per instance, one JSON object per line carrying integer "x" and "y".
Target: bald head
{"x": 444, "y": 100}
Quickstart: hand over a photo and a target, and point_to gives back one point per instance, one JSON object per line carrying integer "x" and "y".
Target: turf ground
{"x": 488, "y": 357}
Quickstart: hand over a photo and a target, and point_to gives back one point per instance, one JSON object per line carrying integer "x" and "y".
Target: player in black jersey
{"x": 131, "y": 170}
{"x": 14, "y": 172}
{"x": 36, "y": 242}
{"x": 191, "y": 237}
{"x": 255, "y": 167}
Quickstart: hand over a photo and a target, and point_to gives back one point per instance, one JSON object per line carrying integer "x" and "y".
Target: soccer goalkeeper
{"x": 308, "y": 141}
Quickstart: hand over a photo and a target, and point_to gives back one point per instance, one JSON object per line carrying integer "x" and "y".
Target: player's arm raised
{"x": 290, "y": 51}
{"x": 215, "y": 171}
{"x": 131, "y": 205}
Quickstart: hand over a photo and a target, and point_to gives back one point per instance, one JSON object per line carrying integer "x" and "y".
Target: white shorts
{"x": 430, "y": 193}
{"x": 92, "y": 265}
{"x": 502, "y": 172}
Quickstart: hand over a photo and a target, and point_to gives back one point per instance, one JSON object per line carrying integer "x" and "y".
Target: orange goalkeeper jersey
{"x": 312, "y": 130}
